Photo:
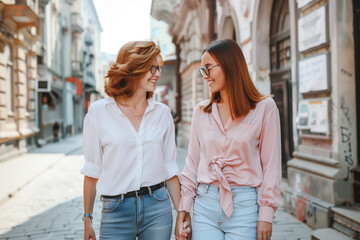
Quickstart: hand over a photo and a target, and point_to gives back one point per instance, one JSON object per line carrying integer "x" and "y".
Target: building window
{"x": 280, "y": 36}
{"x": 284, "y": 53}
{"x": 9, "y": 78}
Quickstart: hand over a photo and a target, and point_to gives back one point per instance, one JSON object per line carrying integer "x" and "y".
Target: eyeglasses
{"x": 206, "y": 70}
{"x": 153, "y": 69}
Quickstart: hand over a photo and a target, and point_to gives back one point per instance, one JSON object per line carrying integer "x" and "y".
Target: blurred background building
{"x": 306, "y": 53}
{"x": 166, "y": 86}
{"x": 50, "y": 70}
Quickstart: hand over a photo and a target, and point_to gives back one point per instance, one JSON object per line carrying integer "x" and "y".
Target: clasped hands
{"x": 183, "y": 226}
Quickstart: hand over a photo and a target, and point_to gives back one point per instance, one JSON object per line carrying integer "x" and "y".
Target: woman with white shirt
{"x": 130, "y": 152}
{"x": 233, "y": 168}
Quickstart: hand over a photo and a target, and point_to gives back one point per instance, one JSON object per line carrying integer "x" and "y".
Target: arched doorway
{"x": 280, "y": 74}
{"x": 228, "y": 26}
{"x": 228, "y": 30}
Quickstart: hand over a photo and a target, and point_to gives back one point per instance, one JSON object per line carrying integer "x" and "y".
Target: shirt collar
{"x": 216, "y": 116}
{"x": 151, "y": 104}
{"x": 111, "y": 100}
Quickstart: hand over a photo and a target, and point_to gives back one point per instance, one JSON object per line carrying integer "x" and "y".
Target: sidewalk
{"x": 16, "y": 172}
{"x": 55, "y": 212}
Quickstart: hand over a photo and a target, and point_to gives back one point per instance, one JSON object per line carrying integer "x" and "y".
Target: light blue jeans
{"x": 148, "y": 217}
{"x": 211, "y": 223}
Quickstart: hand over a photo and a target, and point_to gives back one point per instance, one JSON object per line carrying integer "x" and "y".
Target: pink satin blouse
{"x": 244, "y": 152}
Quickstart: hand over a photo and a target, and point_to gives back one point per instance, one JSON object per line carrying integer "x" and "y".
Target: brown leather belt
{"x": 141, "y": 192}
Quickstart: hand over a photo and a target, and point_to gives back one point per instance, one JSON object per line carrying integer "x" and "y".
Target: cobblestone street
{"x": 50, "y": 205}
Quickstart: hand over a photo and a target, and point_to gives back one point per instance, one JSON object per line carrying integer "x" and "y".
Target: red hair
{"x": 133, "y": 61}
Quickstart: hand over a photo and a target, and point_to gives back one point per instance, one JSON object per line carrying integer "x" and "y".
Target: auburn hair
{"x": 241, "y": 92}
{"x": 133, "y": 61}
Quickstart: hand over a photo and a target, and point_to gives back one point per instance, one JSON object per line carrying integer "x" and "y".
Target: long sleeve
{"x": 270, "y": 157}
{"x": 169, "y": 149}
{"x": 188, "y": 177}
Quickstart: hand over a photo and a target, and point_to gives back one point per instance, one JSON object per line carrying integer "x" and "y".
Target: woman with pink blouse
{"x": 233, "y": 168}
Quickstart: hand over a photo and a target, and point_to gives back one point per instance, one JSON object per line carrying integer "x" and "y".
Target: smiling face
{"x": 216, "y": 79}
{"x": 148, "y": 81}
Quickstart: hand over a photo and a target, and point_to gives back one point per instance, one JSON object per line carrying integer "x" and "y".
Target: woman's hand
{"x": 183, "y": 226}
{"x": 264, "y": 230}
{"x": 89, "y": 199}
{"x": 187, "y": 227}
{"x": 89, "y": 232}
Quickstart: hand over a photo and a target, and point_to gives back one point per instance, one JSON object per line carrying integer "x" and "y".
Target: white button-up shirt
{"x": 123, "y": 159}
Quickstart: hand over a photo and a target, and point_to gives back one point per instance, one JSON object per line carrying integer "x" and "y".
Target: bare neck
{"x": 135, "y": 101}
{"x": 224, "y": 99}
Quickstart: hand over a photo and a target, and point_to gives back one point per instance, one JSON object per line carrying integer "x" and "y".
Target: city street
{"x": 49, "y": 205}
{"x": 282, "y": 76}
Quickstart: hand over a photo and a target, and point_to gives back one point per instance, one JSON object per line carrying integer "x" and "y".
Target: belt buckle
{"x": 136, "y": 194}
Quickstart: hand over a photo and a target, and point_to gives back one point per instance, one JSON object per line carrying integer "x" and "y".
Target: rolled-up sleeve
{"x": 92, "y": 148}
{"x": 270, "y": 154}
{"x": 188, "y": 177}
{"x": 169, "y": 149}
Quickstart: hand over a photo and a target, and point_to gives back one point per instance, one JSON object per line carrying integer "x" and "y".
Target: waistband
{"x": 217, "y": 184}
{"x": 141, "y": 192}
{"x": 215, "y": 187}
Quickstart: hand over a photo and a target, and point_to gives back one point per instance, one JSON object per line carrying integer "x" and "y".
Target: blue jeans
{"x": 147, "y": 217}
{"x": 210, "y": 221}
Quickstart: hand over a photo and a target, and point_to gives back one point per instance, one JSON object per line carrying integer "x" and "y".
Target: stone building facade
{"x": 19, "y": 32}
{"x": 305, "y": 53}
{"x": 44, "y": 48}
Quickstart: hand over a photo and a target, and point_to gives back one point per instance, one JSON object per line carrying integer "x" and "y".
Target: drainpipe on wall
{"x": 64, "y": 30}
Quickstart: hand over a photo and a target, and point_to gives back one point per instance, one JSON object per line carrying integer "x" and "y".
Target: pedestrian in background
{"x": 233, "y": 166}
{"x": 176, "y": 120}
{"x": 130, "y": 152}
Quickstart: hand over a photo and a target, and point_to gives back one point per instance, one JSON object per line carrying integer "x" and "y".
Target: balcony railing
{"x": 90, "y": 79}
{"x": 77, "y": 69}
{"x": 30, "y": 3}
{"x": 76, "y": 23}
{"x": 89, "y": 38}
{"x": 23, "y": 13}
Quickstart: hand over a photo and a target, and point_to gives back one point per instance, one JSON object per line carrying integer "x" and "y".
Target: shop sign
{"x": 43, "y": 85}
{"x": 314, "y": 73}
{"x": 313, "y": 29}
{"x": 314, "y": 116}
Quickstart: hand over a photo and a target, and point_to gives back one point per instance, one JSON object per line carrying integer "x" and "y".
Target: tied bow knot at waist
{"x": 216, "y": 165}
{"x": 219, "y": 161}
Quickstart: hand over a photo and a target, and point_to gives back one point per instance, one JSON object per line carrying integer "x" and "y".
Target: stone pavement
{"x": 46, "y": 202}
{"x": 17, "y": 172}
